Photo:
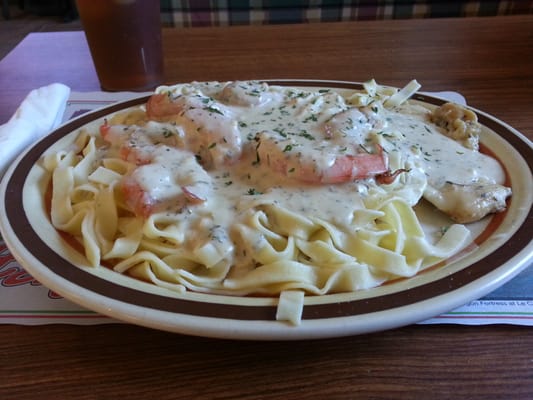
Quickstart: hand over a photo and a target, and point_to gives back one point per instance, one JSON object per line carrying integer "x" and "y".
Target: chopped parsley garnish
{"x": 306, "y": 135}
{"x": 280, "y": 131}
{"x": 312, "y": 117}
{"x": 213, "y": 110}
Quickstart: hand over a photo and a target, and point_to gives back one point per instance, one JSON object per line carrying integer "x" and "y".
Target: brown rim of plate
{"x": 58, "y": 265}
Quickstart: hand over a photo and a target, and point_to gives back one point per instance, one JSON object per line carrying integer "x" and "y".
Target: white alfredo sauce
{"x": 305, "y": 132}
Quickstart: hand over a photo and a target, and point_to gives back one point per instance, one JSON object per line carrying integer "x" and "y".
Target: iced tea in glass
{"x": 124, "y": 37}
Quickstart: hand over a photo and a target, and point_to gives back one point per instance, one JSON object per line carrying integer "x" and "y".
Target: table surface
{"x": 489, "y": 60}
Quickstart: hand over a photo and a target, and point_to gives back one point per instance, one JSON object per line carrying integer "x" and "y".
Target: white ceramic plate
{"x": 503, "y": 247}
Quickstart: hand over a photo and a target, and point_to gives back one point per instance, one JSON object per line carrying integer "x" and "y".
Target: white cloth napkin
{"x": 39, "y": 113}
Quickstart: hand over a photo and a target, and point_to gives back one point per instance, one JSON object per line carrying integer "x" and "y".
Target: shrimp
{"x": 319, "y": 165}
{"x": 166, "y": 176}
{"x": 353, "y": 123}
{"x": 245, "y": 94}
{"x": 172, "y": 179}
{"x": 211, "y": 130}
{"x": 135, "y": 144}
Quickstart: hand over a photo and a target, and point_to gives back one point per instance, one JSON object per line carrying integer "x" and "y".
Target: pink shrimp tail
{"x": 192, "y": 197}
{"x": 104, "y": 128}
{"x": 388, "y": 177}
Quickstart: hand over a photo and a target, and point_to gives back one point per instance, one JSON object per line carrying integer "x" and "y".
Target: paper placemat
{"x": 25, "y": 301}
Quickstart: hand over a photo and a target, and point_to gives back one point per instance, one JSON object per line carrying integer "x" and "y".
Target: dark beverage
{"x": 125, "y": 41}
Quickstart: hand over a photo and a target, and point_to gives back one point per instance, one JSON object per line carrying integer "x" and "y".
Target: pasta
{"x": 242, "y": 188}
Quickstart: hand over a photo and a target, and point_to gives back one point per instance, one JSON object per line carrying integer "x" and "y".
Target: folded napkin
{"x": 39, "y": 113}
